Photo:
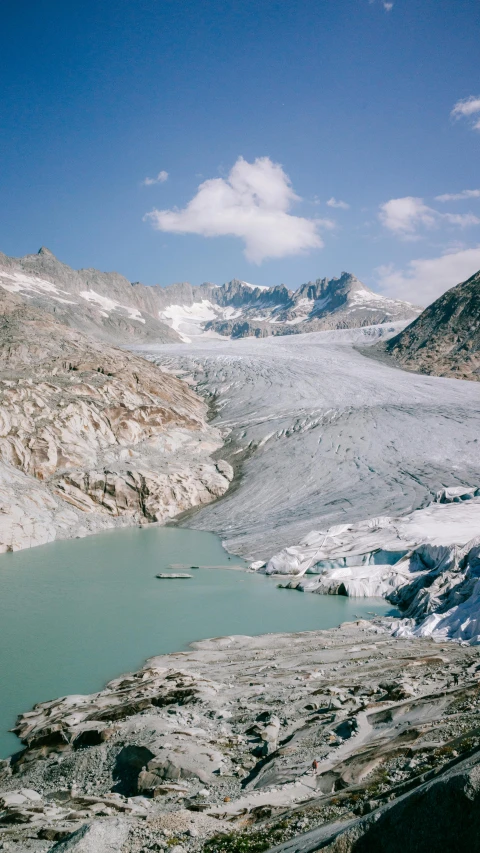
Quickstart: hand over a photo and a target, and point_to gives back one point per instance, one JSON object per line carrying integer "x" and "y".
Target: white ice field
{"x": 326, "y": 435}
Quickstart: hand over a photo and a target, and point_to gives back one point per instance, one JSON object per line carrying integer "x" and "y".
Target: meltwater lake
{"x": 76, "y": 613}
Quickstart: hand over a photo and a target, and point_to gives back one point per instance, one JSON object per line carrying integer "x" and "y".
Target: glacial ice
{"x": 324, "y": 435}
{"x": 377, "y": 462}
{"x": 427, "y": 563}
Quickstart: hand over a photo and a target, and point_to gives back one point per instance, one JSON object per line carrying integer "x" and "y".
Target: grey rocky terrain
{"x": 102, "y": 305}
{"x": 445, "y": 339}
{"x": 213, "y": 749}
{"x": 92, "y": 436}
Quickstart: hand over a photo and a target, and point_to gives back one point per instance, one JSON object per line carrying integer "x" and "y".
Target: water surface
{"x": 75, "y": 614}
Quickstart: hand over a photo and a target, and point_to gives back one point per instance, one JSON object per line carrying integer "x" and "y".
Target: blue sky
{"x": 336, "y": 99}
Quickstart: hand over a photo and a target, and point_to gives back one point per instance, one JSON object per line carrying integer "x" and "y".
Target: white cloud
{"x": 404, "y": 216}
{"x": 252, "y": 203}
{"x": 458, "y": 196}
{"x": 332, "y": 202}
{"x": 463, "y": 220}
{"x": 467, "y": 108}
{"x": 388, "y": 6}
{"x": 425, "y": 279}
{"x": 160, "y": 179}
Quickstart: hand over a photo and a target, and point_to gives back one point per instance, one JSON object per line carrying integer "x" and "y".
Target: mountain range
{"x": 111, "y": 308}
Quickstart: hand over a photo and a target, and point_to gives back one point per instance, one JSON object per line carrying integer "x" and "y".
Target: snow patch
{"x": 111, "y": 305}
{"x": 18, "y": 282}
{"x": 189, "y": 320}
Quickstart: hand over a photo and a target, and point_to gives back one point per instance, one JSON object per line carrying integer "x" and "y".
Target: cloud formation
{"x": 425, "y": 279}
{"x": 402, "y": 216}
{"x": 251, "y": 203}
{"x": 468, "y": 108}
{"x": 160, "y": 179}
{"x": 458, "y": 196}
{"x": 405, "y": 216}
{"x": 332, "y": 202}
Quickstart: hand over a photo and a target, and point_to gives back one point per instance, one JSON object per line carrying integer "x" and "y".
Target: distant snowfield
{"x": 189, "y": 320}
{"x": 325, "y": 434}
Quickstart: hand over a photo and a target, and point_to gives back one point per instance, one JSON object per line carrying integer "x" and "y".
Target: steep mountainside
{"x": 103, "y": 305}
{"x": 445, "y": 339}
{"x": 91, "y": 436}
{"x": 109, "y": 307}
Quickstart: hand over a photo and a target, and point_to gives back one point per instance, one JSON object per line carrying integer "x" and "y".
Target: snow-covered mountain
{"x": 239, "y": 309}
{"x": 114, "y": 309}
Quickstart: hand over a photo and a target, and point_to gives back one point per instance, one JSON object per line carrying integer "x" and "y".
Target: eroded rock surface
{"x": 91, "y": 436}
{"x": 222, "y": 738}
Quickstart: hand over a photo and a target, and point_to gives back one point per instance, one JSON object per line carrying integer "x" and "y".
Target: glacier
{"x": 321, "y": 435}
{"x": 352, "y": 477}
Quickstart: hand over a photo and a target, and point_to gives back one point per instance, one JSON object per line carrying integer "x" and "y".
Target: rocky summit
{"x": 445, "y": 339}
{"x": 109, "y": 307}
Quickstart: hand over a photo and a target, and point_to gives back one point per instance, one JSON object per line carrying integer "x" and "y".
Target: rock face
{"x": 91, "y": 436}
{"x": 109, "y": 307}
{"x": 338, "y": 303}
{"x": 103, "y": 305}
{"x": 100, "y": 837}
{"x": 442, "y": 814}
{"x": 445, "y": 339}
{"x": 238, "y": 309}
{"x": 222, "y": 737}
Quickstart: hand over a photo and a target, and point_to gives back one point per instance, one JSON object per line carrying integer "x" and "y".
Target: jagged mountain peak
{"x": 44, "y": 251}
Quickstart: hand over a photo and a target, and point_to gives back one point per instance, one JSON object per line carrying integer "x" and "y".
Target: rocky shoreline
{"x": 213, "y": 748}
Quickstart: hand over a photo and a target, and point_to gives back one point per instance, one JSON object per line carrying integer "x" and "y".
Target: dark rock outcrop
{"x": 445, "y": 339}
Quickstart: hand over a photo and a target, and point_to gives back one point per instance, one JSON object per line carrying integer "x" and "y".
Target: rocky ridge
{"x": 109, "y": 307}
{"x": 445, "y": 339}
{"x": 213, "y": 748}
{"x": 337, "y": 303}
{"x": 91, "y": 436}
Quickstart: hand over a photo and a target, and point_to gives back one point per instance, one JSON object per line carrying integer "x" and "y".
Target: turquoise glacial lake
{"x": 75, "y": 614}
